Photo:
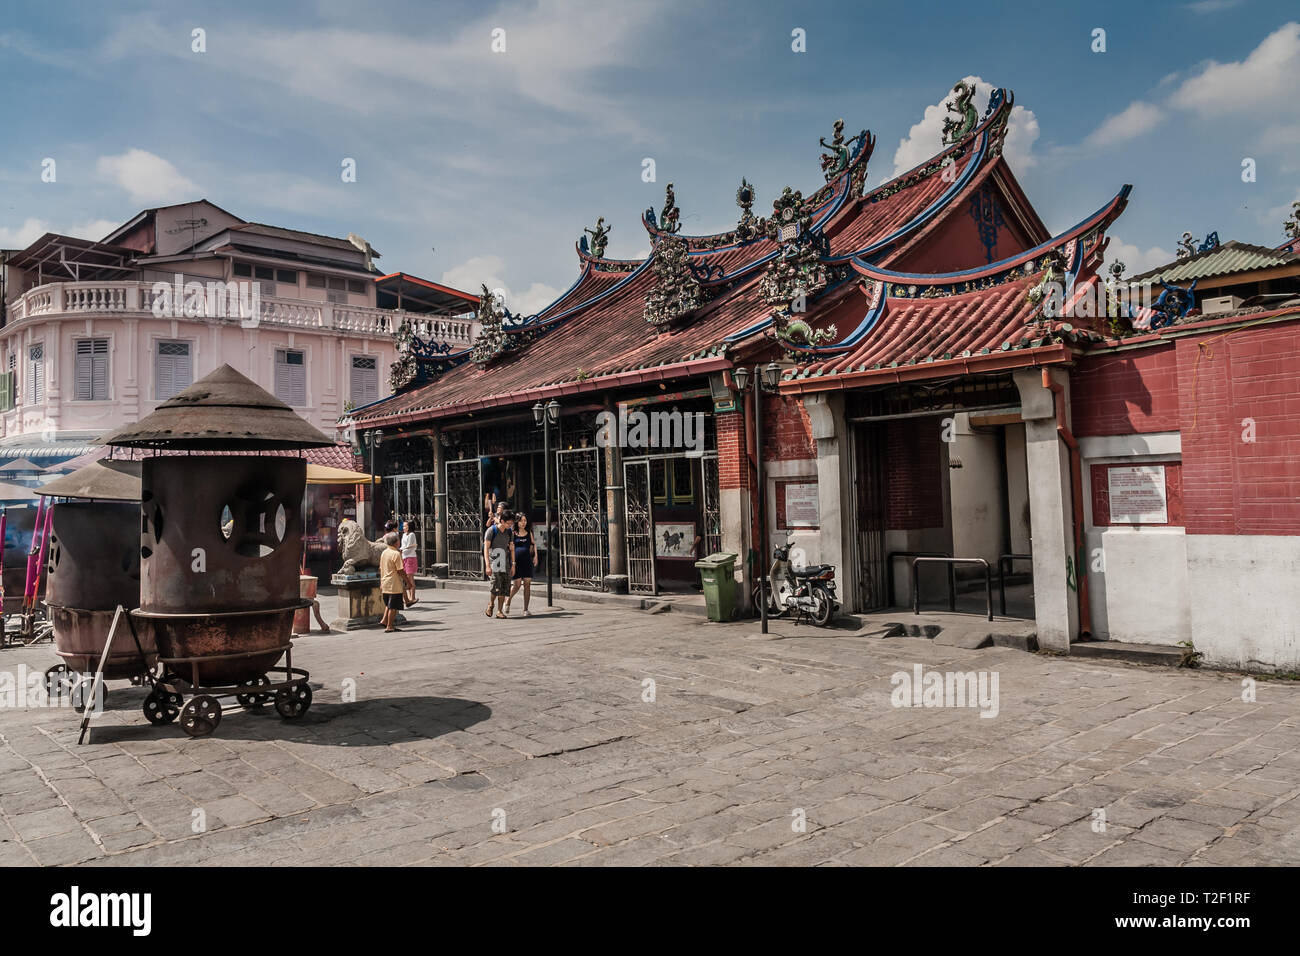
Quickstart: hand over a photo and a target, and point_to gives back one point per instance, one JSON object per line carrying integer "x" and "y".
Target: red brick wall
{"x": 733, "y": 468}
{"x": 1231, "y": 485}
{"x": 1125, "y": 393}
{"x": 787, "y": 432}
{"x": 1206, "y": 386}
{"x": 913, "y": 475}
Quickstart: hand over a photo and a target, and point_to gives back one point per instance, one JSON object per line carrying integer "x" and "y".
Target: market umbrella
{"x": 326, "y": 475}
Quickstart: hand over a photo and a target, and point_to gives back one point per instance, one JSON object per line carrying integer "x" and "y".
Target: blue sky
{"x": 480, "y": 166}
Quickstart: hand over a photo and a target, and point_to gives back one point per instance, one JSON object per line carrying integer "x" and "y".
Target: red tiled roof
{"x": 595, "y": 339}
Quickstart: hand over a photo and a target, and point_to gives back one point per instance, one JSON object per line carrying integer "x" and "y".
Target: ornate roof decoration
{"x": 677, "y": 287}
{"x": 418, "y": 359}
{"x": 499, "y": 330}
{"x": 837, "y": 160}
{"x": 1291, "y": 226}
{"x": 1188, "y": 246}
{"x": 599, "y": 239}
{"x": 1173, "y": 304}
{"x": 965, "y": 116}
{"x": 796, "y": 335}
{"x": 750, "y": 226}
{"x": 670, "y": 219}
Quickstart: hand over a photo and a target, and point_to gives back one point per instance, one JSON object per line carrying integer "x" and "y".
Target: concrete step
{"x": 1166, "y": 654}
{"x": 677, "y": 603}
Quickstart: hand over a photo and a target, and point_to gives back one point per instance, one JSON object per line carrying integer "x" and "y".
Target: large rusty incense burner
{"x": 92, "y": 567}
{"x": 220, "y": 544}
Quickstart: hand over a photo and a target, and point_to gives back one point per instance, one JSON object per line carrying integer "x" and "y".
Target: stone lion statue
{"x": 356, "y": 550}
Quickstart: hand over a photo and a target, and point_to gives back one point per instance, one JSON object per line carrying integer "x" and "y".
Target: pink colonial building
{"x": 93, "y": 335}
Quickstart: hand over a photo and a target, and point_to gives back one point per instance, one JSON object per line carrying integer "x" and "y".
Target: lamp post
{"x": 546, "y": 416}
{"x": 376, "y": 437}
{"x": 765, "y": 380}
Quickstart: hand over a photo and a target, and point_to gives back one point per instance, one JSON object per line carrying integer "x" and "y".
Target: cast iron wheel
{"x": 58, "y": 681}
{"x": 292, "y": 702}
{"x": 162, "y": 706}
{"x": 249, "y": 701}
{"x": 201, "y": 716}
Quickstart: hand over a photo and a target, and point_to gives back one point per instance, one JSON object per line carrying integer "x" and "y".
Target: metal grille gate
{"x": 583, "y": 539}
{"x": 869, "y": 517}
{"x": 413, "y": 501}
{"x": 640, "y": 525}
{"x": 712, "y": 512}
{"x": 466, "y": 521}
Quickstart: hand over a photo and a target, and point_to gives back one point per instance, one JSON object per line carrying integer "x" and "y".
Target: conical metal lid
{"x": 221, "y": 411}
{"x": 107, "y": 480}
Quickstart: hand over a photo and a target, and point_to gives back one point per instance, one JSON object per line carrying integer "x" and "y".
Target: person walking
{"x": 410, "y": 544}
{"x": 392, "y": 581}
{"x": 525, "y": 560}
{"x": 498, "y": 562}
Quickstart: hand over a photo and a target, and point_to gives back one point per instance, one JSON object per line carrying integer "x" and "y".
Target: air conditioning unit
{"x": 1221, "y": 303}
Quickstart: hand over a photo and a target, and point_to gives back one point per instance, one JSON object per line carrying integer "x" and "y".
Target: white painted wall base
{"x": 1140, "y": 595}
{"x": 1244, "y": 594}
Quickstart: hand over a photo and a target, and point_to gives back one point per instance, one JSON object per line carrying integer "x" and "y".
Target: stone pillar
{"x": 616, "y": 581}
{"x": 1051, "y": 525}
{"x": 835, "y": 507}
{"x": 440, "y": 565}
{"x": 735, "y": 509}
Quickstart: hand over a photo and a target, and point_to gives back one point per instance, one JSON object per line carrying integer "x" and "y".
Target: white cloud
{"x": 925, "y": 139}
{"x": 1135, "y": 120}
{"x": 487, "y": 270}
{"x": 32, "y": 229}
{"x": 555, "y": 53}
{"x": 1212, "y": 6}
{"x": 1136, "y": 260}
{"x": 147, "y": 178}
{"x": 1259, "y": 84}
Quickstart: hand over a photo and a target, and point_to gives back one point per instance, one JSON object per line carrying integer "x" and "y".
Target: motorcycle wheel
{"x": 823, "y": 607}
{"x": 772, "y": 609}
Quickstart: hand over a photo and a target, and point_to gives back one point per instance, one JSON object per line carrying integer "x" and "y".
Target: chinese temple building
{"x": 954, "y": 381}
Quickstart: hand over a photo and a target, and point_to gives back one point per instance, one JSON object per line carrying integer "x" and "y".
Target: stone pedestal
{"x": 441, "y": 571}
{"x": 614, "y": 583}
{"x": 360, "y": 601}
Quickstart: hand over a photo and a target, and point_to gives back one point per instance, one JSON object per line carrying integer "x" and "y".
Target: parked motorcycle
{"x": 805, "y": 592}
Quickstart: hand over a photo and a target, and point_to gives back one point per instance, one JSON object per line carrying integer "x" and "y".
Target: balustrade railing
{"x": 136, "y": 298}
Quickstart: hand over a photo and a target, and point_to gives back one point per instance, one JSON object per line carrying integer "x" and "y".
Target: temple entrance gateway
{"x": 466, "y": 521}
{"x": 584, "y": 541}
{"x": 640, "y": 527}
{"x": 673, "y": 519}
{"x": 412, "y": 500}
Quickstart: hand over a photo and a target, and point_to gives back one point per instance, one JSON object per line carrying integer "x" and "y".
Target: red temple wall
{"x": 957, "y": 244}
{"x": 913, "y": 475}
{"x": 1235, "y": 401}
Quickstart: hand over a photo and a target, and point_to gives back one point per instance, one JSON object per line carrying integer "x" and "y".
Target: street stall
{"x": 331, "y": 496}
{"x": 22, "y": 576}
{"x": 220, "y": 549}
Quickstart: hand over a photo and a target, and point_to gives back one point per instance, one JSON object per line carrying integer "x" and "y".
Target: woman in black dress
{"x": 525, "y": 558}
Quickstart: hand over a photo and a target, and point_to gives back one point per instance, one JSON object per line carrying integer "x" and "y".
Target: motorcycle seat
{"x": 812, "y": 571}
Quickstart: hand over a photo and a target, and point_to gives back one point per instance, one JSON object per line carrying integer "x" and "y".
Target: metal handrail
{"x": 951, "y": 563}
{"x": 1006, "y": 559}
{"x": 889, "y": 568}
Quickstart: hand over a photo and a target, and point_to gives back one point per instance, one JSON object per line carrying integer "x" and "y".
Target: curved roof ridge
{"x": 1100, "y": 218}
{"x": 866, "y": 144}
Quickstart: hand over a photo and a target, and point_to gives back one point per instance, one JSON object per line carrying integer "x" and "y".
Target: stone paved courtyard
{"x": 533, "y": 742}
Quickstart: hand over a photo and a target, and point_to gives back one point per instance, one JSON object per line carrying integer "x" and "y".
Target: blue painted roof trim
{"x": 945, "y": 278}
